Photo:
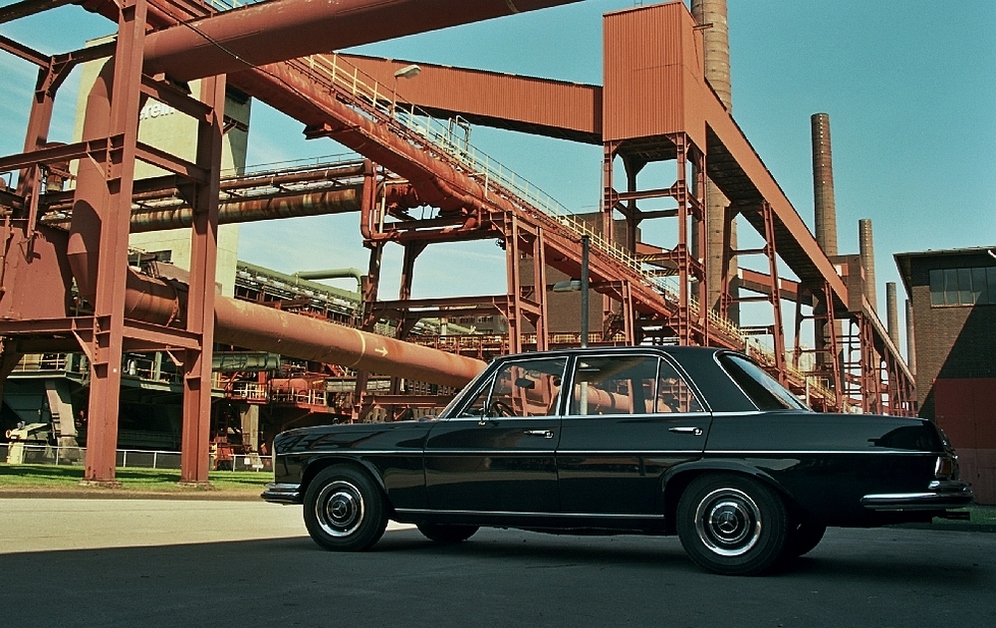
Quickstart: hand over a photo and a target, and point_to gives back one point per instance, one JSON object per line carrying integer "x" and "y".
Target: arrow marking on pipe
{"x": 381, "y": 350}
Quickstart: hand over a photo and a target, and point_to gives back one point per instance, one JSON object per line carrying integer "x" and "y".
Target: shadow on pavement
{"x": 498, "y": 578}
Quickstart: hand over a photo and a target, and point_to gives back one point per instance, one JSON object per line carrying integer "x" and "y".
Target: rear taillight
{"x": 946, "y": 467}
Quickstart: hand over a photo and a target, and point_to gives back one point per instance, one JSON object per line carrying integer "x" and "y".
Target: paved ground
{"x": 84, "y": 562}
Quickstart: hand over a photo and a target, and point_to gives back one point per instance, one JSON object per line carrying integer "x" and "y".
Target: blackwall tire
{"x": 446, "y": 534}
{"x": 803, "y": 537}
{"x": 732, "y": 524}
{"x": 344, "y": 510}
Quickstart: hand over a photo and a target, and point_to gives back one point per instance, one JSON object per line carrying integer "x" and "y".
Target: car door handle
{"x": 543, "y": 433}
{"x": 695, "y": 431}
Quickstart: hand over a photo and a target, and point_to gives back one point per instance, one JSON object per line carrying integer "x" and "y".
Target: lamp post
{"x": 407, "y": 72}
{"x": 585, "y": 246}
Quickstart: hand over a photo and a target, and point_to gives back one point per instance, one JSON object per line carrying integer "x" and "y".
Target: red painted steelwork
{"x": 288, "y": 29}
{"x": 522, "y": 103}
{"x": 645, "y": 97}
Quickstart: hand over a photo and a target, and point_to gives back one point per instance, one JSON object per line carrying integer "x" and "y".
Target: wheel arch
{"x": 677, "y": 479}
{"x": 317, "y": 465}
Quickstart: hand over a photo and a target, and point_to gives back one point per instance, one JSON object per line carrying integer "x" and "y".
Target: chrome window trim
{"x": 649, "y": 415}
{"x": 639, "y": 352}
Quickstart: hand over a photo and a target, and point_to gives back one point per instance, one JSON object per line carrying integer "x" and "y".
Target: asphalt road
{"x": 86, "y": 562}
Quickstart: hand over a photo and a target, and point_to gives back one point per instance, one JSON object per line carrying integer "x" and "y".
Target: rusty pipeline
{"x": 249, "y": 325}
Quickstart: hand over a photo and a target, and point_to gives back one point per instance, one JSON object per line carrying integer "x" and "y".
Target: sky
{"x": 908, "y": 85}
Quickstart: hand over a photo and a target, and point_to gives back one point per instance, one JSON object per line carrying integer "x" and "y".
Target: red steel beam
{"x": 528, "y": 104}
{"x": 288, "y": 29}
{"x": 29, "y": 7}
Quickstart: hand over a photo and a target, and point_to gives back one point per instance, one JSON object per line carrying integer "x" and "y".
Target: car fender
{"x": 678, "y": 477}
{"x": 317, "y": 464}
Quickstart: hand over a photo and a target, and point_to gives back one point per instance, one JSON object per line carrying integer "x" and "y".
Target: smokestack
{"x": 910, "y": 339}
{"x": 716, "y": 44}
{"x": 826, "y": 208}
{"x": 867, "y": 252}
{"x": 892, "y": 312}
{"x": 716, "y": 50}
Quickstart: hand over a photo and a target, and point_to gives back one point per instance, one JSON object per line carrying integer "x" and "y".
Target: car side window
{"x": 673, "y": 394}
{"x": 629, "y": 385}
{"x": 520, "y": 389}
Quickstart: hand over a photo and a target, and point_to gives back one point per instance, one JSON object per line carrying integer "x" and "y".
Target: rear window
{"x": 763, "y": 389}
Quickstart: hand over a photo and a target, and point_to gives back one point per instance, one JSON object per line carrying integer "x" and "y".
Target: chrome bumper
{"x": 942, "y": 495}
{"x": 282, "y": 493}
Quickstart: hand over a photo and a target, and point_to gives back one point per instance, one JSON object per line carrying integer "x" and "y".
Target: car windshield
{"x": 763, "y": 390}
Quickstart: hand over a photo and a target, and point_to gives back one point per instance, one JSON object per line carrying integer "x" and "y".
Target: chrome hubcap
{"x": 728, "y": 522}
{"x": 339, "y": 508}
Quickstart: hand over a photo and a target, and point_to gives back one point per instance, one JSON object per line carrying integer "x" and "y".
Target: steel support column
{"x": 119, "y": 169}
{"x": 196, "y": 437}
{"x": 539, "y": 291}
{"x": 777, "y": 329}
{"x": 514, "y": 283}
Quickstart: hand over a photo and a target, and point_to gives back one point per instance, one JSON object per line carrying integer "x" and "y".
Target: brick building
{"x": 953, "y": 297}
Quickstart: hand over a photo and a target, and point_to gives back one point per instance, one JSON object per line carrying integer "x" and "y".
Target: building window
{"x": 963, "y": 286}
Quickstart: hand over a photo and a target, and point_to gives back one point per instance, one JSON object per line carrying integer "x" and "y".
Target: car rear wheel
{"x": 344, "y": 509}
{"x": 447, "y": 534}
{"x": 732, "y": 524}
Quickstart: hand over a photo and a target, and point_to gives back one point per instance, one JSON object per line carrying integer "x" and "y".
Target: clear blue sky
{"x": 909, "y": 86}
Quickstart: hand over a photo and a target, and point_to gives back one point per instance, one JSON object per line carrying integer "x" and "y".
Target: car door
{"x": 497, "y": 453}
{"x": 631, "y": 417}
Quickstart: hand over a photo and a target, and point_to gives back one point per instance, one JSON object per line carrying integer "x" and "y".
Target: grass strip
{"x": 51, "y": 477}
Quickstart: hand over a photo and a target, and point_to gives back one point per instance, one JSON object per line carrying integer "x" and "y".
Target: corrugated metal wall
{"x": 652, "y": 73}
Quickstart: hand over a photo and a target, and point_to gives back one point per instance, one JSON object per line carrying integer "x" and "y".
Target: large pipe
{"x": 332, "y": 273}
{"x": 287, "y": 29}
{"x": 249, "y": 325}
{"x": 337, "y": 201}
{"x": 823, "y": 196}
{"x": 867, "y": 254}
{"x": 892, "y": 312}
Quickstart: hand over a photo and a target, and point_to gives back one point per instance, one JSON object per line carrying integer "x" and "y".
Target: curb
{"x": 103, "y": 493}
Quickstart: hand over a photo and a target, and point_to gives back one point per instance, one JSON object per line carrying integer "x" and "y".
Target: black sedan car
{"x": 692, "y": 441}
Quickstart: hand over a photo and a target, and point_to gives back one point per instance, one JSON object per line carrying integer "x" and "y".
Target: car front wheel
{"x": 732, "y": 524}
{"x": 344, "y": 510}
